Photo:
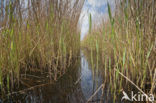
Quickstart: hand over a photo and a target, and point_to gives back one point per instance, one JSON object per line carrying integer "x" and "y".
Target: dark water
{"x": 76, "y": 86}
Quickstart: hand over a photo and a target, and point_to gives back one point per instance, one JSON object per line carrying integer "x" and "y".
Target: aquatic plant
{"x": 127, "y": 42}
{"x": 38, "y": 35}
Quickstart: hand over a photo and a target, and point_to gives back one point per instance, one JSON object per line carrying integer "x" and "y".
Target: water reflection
{"x": 89, "y": 81}
{"x": 76, "y": 86}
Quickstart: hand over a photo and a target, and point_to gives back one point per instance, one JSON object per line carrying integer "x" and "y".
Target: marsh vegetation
{"x": 43, "y": 60}
{"x": 126, "y": 44}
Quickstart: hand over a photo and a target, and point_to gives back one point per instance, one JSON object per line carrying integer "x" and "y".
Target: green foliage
{"x": 110, "y": 15}
{"x": 90, "y": 22}
{"x": 112, "y": 21}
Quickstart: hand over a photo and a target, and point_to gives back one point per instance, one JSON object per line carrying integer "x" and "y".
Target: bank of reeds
{"x": 127, "y": 43}
{"x": 37, "y": 35}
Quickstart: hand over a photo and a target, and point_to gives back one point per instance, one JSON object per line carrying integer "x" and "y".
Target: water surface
{"x": 76, "y": 86}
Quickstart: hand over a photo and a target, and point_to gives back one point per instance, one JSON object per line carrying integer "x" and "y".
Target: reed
{"x": 128, "y": 39}
{"x": 38, "y": 35}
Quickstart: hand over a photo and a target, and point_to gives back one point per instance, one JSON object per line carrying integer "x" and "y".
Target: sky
{"x": 96, "y": 8}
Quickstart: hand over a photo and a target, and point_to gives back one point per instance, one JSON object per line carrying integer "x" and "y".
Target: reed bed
{"x": 126, "y": 44}
{"x": 37, "y": 35}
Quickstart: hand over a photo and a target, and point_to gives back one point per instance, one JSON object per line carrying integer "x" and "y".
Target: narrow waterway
{"x": 76, "y": 86}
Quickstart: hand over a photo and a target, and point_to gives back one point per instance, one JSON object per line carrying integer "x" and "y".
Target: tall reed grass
{"x": 127, "y": 43}
{"x": 38, "y": 35}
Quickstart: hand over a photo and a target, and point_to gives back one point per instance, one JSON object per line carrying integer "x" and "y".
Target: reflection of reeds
{"x": 127, "y": 42}
{"x": 42, "y": 36}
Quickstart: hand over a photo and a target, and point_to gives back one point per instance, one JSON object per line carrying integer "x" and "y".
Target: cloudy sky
{"x": 97, "y": 8}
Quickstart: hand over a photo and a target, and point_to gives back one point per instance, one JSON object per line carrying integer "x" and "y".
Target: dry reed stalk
{"x": 133, "y": 84}
{"x": 101, "y": 86}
